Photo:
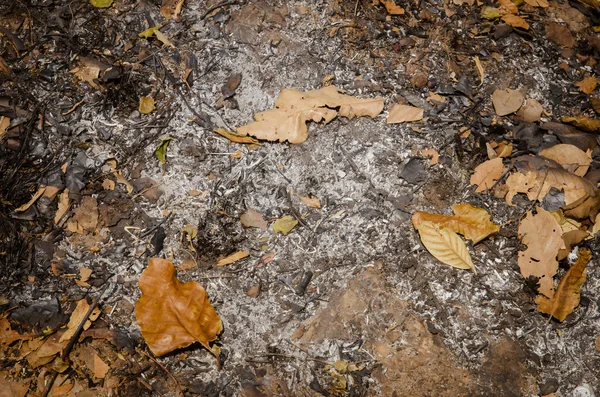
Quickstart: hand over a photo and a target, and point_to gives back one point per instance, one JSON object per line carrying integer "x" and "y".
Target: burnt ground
{"x": 351, "y": 282}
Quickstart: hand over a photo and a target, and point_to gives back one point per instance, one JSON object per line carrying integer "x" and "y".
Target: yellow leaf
{"x": 228, "y": 260}
{"x": 172, "y": 314}
{"x": 568, "y": 293}
{"x": 487, "y": 174}
{"x": 404, "y": 114}
{"x": 4, "y": 124}
{"x": 584, "y": 123}
{"x": 445, "y": 245}
{"x": 149, "y": 32}
{"x": 146, "y": 105}
{"x": 490, "y": 13}
{"x": 101, "y": 3}
{"x": 284, "y": 224}
{"x": 293, "y": 109}
{"x": 472, "y": 222}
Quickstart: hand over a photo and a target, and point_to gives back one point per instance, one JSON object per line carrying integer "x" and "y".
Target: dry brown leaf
{"x": 146, "y": 105}
{"x": 45, "y": 350}
{"x": 531, "y": 111}
{"x": 63, "y": 205}
{"x": 480, "y": 69}
{"x": 100, "y": 367}
{"x": 77, "y": 316}
{"x": 85, "y": 218}
{"x": 538, "y": 3}
{"x": 472, "y": 222}
{"x": 4, "y": 124}
{"x": 542, "y": 235}
{"x": 570, "y": 157}
{"x": 311, "y": 202}
{"x": 515, "y": 21}
{"x": 235, "y": 137}
{"x": 10, "y": 388}
{"x": 571, "y": 239}
{"x": 36, "y": 196}
{"x": 435, "y": 97}
{"x": 587, "y": 85}
{"x": 504, "y": 149}
{"x": 507, "y": 7}
{"x": 170, "y": 9}
{"x": 253, "y": 218}
{"x": 487, "y": 174}
{"x": 293, "y": 109}
{"x": 507, "y": 101}
{"x": 404, "y": 114}
{"x": 567, "y": 295}
{"x": 392, "y": 8}
{"x": 8, "y": 335}
{"x": 236, "y": 256}
{"x": 88, "y": 70}
{"x": 432, "y": 153}
{"x": 84, "y": 276}
{"x": 445, "y": 245}
{"x": 172, "y": 314}
{"x": 51, "y": 192}
{"x": 585, "y": 123}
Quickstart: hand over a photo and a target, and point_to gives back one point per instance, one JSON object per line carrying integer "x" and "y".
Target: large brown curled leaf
{"x": 293, "y": 108}
{"x": 472, "y": 222}
{"x": 568, "y": 293}
{"x": 172, "y": 314}
{"x": 570, "y": 157}
{"x": 445, "y": 245}
{"x": 487, "y": 174}
{"x": 542, "y": 235}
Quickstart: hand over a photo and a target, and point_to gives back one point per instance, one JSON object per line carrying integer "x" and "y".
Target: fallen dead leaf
{"x": 311, "y": 202}
{"x": 445, "y": 245}
{"x": 515, "y": 21}
{"x": 435, "y": 97}
{"x": 404, "y": 114}
{"x": 101, "y": 3}
{"x": 8, "y": 335}
{"x": 10, "y": 388}
{"x": 284, "y": 225}
{"x": 84, "y": 276}
{"x": 568, "y": 293}
{"x": 504, "y": 149}
{"x": 571, "y": 239}
{"x": 432, "y": 154}
{"x": 146, "y": 105}
{"x": 392, "y": 8}
{"x": 542, "y": 235}
{"x": 170, "y": 9}
{"x": 538, "y": 3}
{"x": 294, "y": 108}
{"x": 63, "y": 206}
{"x": 570, "y": 157}
{"x": 531, "y": 111}
{"x": 587, "y": 85}
{"x": 487, "y": 174}
{"x": 172, "y": 314}
{"x": 33, "y": 199}
{"x": 235, "y": 137}
{"x": 4, "y": 124}
{"x": 472, "y": 222}
{"x": 88, "y": 69}
{"x": 507, "y": 101}
{"x": 585, "y": 123}
{"x": 100, "y": 367}
{"x": 253, "y": 218}
{"x": 85, "y": 218}
{"x": 228, "y": 260}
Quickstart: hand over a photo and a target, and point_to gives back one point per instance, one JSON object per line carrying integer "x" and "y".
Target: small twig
{"x": 65, "y": 354}
{"x": 166, "y": 370}
{"x": 147, "y": 233}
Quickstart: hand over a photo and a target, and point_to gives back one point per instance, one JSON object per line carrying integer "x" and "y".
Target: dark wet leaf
{"x": 75, "y": 176}
{"x": 158, "y": 240}
{"x": 571, "y": 135}
{"x": 554, "y": 200}
{"x": 414, "y": 172}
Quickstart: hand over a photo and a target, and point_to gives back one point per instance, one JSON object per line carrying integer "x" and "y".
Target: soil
{"x": 351, "y": 282}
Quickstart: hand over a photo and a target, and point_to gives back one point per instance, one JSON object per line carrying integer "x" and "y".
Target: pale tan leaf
{"x": 431, "y": 153}
{"x": 507, "y": 101}
{"x": 568, "y": 293}
{"x": 77, "y": 317}
{"x": 404, "y": 114}
{"x": 293, "y": 109}
{"x": 172, "y": 314}
{"x": 311, "y": 202}
{"x": 515, "y": 21}
{"x": 4, "y": 124}
{"x": 63, "y": 205}
{"x": 253, "y": 218}
{"x": 445, "y": 245}
{"x": 538, "y": 3}
{"x": 571, "y": 239}
{"x": 14, "y": 388}
{"x": 487, "y": 174}
{"x": 570, "y": 157}
{"x": 100, "y": 367}
{"x": 542, "y": 235}
{"x": 472, "y": 222}
{"x": 531, "y": 111}
{"x": 163, "y": 38}
{"x": 236, "y": 256}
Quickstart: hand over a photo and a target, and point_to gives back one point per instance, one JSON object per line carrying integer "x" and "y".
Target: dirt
{"x": 351, "y": 282}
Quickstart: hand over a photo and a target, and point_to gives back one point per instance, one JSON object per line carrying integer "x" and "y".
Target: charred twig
{"x": 159, "y": 224}
{"x": 219, "y": 5}
{"x": 65, "y": 354}
{"x": 166, "y": 370}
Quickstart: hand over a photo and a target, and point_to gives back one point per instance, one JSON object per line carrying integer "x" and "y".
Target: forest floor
{"x": 349, "y": 302}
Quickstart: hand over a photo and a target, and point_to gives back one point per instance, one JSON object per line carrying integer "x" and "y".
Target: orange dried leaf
{"x": 445, "y": 245}
{"x": 172, "y": 314}
{"x": 235, "y": 137}
{"x": 584, "y": 123}
{"x": 228, "y": 260}
{"x": 487, "y": 174}
{"x": 587, "y": 85}
{"x": 515, "y": 21}
{"x": 392, "y": 8}
{"x": 472, "y": 222}
{"x": 435, "y": 156}
{"x": 542, "y": 235}
{"x": 567, "y": 295}
{"x": 311, "y": 202}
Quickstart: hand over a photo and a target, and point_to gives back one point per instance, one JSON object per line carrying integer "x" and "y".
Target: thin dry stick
{"x": 166, "y": 370}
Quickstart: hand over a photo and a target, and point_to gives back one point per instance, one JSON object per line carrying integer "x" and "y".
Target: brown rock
{"x": 560, "y": 35}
